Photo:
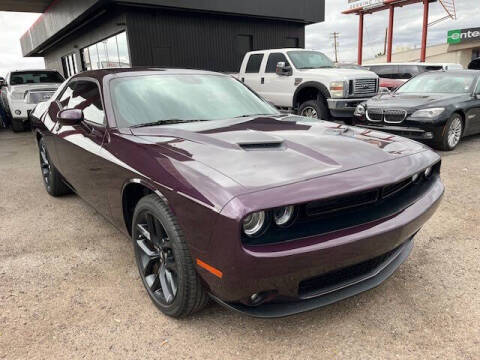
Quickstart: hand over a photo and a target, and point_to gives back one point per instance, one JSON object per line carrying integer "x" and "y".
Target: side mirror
{"x": 283, "y": 69}
{"x": 2, "y": 82}
{"x": 384, "y": 91}
{"x": 70, "y": 116}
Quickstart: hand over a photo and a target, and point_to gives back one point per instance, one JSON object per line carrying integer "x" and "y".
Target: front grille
{"x": 35, "y": 97}
{"x": 394, "y": 116}
{"x": 391, "y": 116}
{"x": 375, "y": 115}
{"x": 321, "y": 217}
{"x": 365, "y": 87}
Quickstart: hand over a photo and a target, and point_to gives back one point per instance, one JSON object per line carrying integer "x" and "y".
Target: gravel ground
{"x": 69, "y": 287}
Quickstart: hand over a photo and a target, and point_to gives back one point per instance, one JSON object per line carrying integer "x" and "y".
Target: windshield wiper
{"x": 252, "y": 115}
{"x": 316, "y": 67}
{"x": 165, "y": 122}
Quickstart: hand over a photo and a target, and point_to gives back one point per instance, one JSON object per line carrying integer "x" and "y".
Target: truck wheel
{"x": 314, "y": 109}
{"x": 17, "y": 125}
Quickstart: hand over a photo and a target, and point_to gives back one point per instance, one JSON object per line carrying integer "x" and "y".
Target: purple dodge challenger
{"x": 225, "y": 197}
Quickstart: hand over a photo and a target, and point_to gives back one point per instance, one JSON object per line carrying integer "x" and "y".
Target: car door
{"x": 251, "y": 76}
{"x": 277, "y": 88}
{"x": 79, "y": 146}
{"x": 472, "y": 114}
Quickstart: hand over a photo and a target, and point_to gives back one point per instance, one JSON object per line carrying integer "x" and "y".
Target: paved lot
{"x": 69, "y": 286}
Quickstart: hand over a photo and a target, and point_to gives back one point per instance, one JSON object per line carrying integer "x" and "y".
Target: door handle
{"x": 262, "y": 81}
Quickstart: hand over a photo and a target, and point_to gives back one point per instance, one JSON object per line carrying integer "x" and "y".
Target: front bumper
{"x": 24, "y": 108}
{"x": 330, "y": 294}
{"x": 344, "y": 108}
{"x": 405, "y": 131}
{"x": 284, "y": 267}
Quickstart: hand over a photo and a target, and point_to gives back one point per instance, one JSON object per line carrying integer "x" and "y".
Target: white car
{"x": 23, "y": 90}
{"x": 307, "y": 82}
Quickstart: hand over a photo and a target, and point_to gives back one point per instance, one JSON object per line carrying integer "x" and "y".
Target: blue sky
{"x": 408, "y": 23}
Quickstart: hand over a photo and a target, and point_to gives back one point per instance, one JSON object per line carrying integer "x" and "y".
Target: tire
{"x": 452, "y": 133}
{"x": 17, "y": 126}
{"x": 316, "y": 109}
{"x": 164, "y": 261}
{"x": 50, "y": 175}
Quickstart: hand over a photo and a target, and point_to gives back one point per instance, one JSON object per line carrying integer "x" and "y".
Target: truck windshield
{"x": 35, "y": 77}
{"x": 438, "y": 82}
{"x": 171, "y": 99}
{"x": 310, "y": 60}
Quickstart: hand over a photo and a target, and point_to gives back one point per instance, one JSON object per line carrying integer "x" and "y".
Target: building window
{"x": 70, "y": 66}
{"x": 109, "y": 53}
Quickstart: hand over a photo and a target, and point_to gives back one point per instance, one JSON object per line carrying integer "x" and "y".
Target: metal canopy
{"x": 36, "y": 6}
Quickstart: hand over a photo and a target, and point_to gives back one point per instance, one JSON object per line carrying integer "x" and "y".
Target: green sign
{"x": 464, "y": 35}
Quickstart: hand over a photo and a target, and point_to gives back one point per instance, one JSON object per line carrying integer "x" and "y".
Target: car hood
{"x": 271, "y": 151}
{"x": 335, "y": 74}
{"x": 30, "y": 87}
{"x": 413, "y": 101}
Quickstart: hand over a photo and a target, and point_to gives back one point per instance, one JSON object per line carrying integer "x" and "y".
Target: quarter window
{"x": 273, "y": 60}
{"x": 86, "y": 97}
{"x": 109, "y": 53}
{"x": 254, "y": 63}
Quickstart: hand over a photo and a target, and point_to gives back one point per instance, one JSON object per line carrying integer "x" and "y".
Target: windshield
{"x": 310, "y": 60}
{"x": 35, "y": 77}
{"x": 438, "y": 82}
{"x": 145, "y": 100}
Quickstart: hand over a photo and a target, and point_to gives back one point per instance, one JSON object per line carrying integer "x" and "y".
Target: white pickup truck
{"x": 23, "y": 90}
{"x": 307, "y": 82}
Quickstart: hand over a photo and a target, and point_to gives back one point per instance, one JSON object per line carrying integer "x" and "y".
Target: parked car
{"x": 440, "y": 107}
{"x": 270, "y": 214}
{"x": 307, "y": 82}
{"x": 23, "y": 90}
{"x": 393, "y": 75}
{"x": 474, "y": 64}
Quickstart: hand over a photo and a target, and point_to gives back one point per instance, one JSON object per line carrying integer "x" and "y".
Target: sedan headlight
{"x": 337, "y": 89}
{"x": 360, "y": 110}
{"x": 428, "y": 113}
{"x": 283, "y": 216}
{"x": 254, "y": 224}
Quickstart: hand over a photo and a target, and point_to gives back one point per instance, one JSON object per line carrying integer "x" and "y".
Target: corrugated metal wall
{"x": 200, "y": 40}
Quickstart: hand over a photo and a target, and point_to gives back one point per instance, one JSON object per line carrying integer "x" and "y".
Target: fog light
{"x": 428, "y": 135}
{"x": 18, "y": 112}
{"x": 428, "y": 172}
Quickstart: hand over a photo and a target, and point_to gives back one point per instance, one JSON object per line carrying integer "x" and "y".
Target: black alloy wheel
{"x": 51, "y": 177}
{"x": 164, "y": 261}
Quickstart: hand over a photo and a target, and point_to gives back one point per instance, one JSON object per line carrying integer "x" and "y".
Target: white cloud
{"x": 407, "y": 28}
{"x": 12, "y": 26}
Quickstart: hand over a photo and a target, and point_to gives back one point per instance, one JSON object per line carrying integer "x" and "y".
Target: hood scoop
{"x": 264, "y": 145}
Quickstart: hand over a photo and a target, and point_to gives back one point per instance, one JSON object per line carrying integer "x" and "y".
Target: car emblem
{"x": 364, "y": 86}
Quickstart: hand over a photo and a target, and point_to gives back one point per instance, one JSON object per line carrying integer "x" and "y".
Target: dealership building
{"x": 461, "y": 47}
{"x": 73, "y": 35}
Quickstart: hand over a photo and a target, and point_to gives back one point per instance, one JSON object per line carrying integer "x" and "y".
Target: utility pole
{"x": 335, "y": 36}
{"x": 385, "y": 43}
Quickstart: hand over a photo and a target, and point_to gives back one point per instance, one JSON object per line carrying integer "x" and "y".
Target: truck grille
{"x": 391, "y": 116}
{"x": 365, "y": 87}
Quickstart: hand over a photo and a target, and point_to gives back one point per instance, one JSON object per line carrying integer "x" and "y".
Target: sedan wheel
{"x": 156, "y": 258}
{"x": 455, "y": 132}
{"x": 164, "y": 261}
{"x": 452, "y": 133}
{"x": 51, "y": 177}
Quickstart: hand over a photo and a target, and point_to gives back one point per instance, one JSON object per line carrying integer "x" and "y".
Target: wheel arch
{"x": 305, "y": 91}
{"x": 132, "y": 191}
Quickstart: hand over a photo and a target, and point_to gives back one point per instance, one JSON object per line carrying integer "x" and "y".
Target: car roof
{"x": 125, "y": 72}
{"x": 280, "y": 50}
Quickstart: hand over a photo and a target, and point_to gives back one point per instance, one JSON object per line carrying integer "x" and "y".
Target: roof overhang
{"x": 62, "y": 17}
{"x": 35, "y": 6}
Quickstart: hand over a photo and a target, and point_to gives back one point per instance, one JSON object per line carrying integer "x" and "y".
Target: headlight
{"x": 284, "y": 215}
{"x": 428, "y": 113}
{"x": 337, "y": 89}
{"x": 254, "y": 223}
{"x": 360, "y": 110}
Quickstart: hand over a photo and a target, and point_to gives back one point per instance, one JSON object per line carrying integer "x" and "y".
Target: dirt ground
{"x": 69, "y": 287}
